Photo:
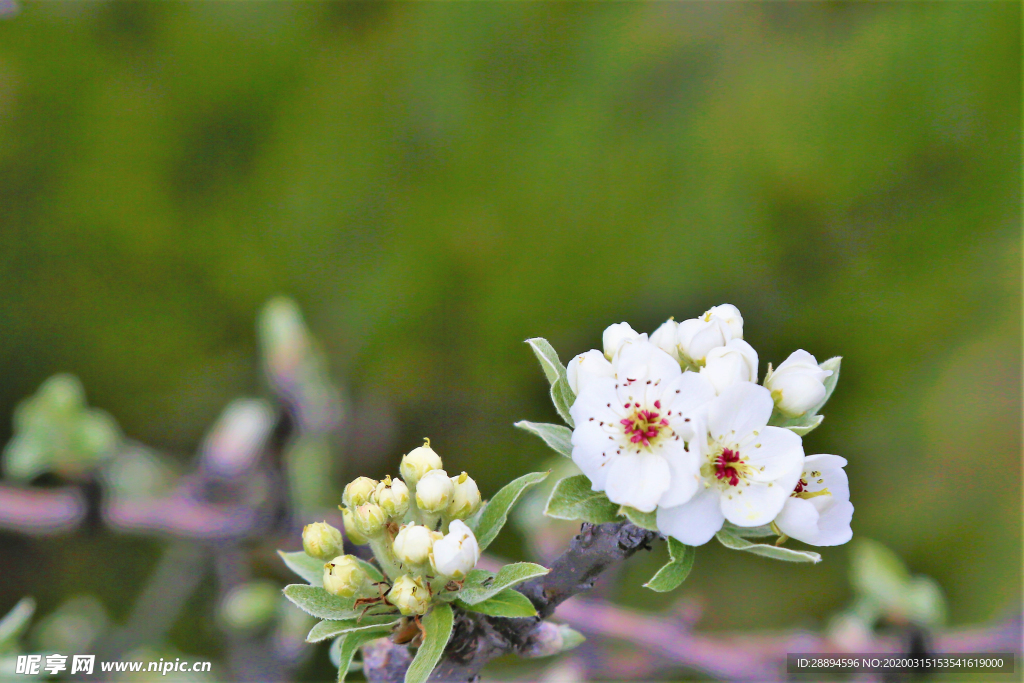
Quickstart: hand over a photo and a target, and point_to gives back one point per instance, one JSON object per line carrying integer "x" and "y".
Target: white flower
{"x": 465, "y": 497}
{"x": 586, "y": 366}
{"x": 418, "y": 462}
{"x": 413, "y": 543}
{"x": 392, "y": 495}
{"x": 697, "y": 336}
{"x": 731, "y": 315}
{"x": 665, "y": 338}
{"x": 729, "y": 364}
{"x": 410, "y": 595}
{"x": 818, "y": 511}
{"x": 747, "y": 469}
{"x": 456, "y": 554}
{"x": 434, "y": 491}
{"x": 615, "y": 335}
{"x": 797, "y": 385}
{"x": 632, "y": 428}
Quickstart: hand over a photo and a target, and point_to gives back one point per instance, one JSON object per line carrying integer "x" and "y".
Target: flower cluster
{"x": 676, "y": 424}
{"x": 413, "y": 526}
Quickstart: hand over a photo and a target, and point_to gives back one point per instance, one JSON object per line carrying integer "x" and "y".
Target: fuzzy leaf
{"x": 496, "y": 513}
{"x": 647, "y": 520}
{"x": 561, "y": 395}
{"x": 676, "y": 570}
{"x": 14, "y": 623}
{"x": 750, "y": 531}
{"x": 346, "y": 647}
{"x": 475, "y": 591}
{"x": 437, "y": 625}
{"x": 321, "y": 604}
{"x": 329, "y": 628}
{"x": 730, "y": 540}
{"x": 507, "y": 603}
{"x": 309, "y": 568}
{"x": 559, "y": 438}
{"x": 573, "y": 498}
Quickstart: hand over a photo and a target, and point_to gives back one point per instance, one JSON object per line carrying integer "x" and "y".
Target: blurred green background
{"x": 434, "y": 183}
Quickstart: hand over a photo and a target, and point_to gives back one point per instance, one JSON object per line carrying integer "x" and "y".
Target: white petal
{"x": 684, "y": 467}
{"x": 614, "y": 336}
{"x": 593, "y": 451}
{"x": 740, "y": 409}
{"x": 834, "y": 524}
{"x": 780, "y": 452}
{"x": 688, "y": 392}
{"x": 755, "y": 504}
{"x": 586, "y": 366}
{"x": 696, "y": 521}
{"x": 640, "y": 360}
{"x": 637, "y": 480}
{"x": 799, "y": 520}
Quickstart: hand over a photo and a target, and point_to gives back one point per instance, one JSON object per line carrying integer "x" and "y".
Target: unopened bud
{"x": 369, "y": 519}
{"x": 418, "y": 462}
{"x": 434, "y": 491}
{"x": 465, "y": 497}
{"x": 358, "y": 491}
{"x": 350, "y": 528}
{"x": 392, "y": 495}
{"x": 343, "y": 576}
{"x": 413, "y": 543}
{"x": 321, "y": 540}
{"x": 409, "y": 595}
{"x": 456, "y": 554}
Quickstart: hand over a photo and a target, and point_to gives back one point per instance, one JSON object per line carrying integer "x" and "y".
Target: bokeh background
{"x": 435, "y": 183}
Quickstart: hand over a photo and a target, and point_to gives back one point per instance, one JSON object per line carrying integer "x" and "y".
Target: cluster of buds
{"x": 413, "y": 525}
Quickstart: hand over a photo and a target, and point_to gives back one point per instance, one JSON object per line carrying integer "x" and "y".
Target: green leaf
{"x": 437, "y": 627}
{"x": 573, "y": 498}
{"x": 475, "y": 591}
{"x": 507, "y": 603}
{"x": 561, "y": 394}
{"x": 750, "y": 531}
{"x": 328, "y": 628}
{"x": 557, "y": 437}
{"x": 646, "y": 520}
{"x": 810, "y": 420}
{"x": 309, "y": 568}
{"x": 321, "y": 604}
{"x": 346, "y": 647}
{"x": 730, "y": 540}
{"x": 496, "y": 513}
{"x": 570, "y": 637}
{"x": 14, "y": 623}
{"x": 371, "y": 570}
{"x": 674, "y": 572}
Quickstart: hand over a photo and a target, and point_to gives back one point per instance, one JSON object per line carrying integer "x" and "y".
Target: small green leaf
{"x": 475, "y": 590}
{"x": 646, "y": 520}
{"x": 675, "y": 571}
{"x": 437, "y": 627}
{"x": 496, "y": 513}
{"x": 309, "y": 568}
{"x": 561, "y": 394}
{"x": 750, "y": 531}
{"x": 329, "y": 628}
{"x": 371, "y": 570}
{"x": 14, "y": 623}
{"x": 507, "y": 603}
{"x": 730, "y": 540}
{"x": 570, "y": 637}
{"x": 557, "y": 437}
{"x": 346, "y": 647}
{"x": 321, "y": 604}
{"x": 573, "y": 498}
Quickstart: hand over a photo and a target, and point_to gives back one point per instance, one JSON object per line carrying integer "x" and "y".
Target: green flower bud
{"x": 465, "y": 497}
{"x": 358, "y": 491}
{"x": 418, "y": 462}
{"x": 369, "y": 519}
{"x": 409, "y": 595}
{"x": 434, "y": 491}
{"x": 350, "y": 527}
{"x": 392, "y": 495}
{"x": 343, "y": 576}
{"x": 321, "y": 540}
{"x": 413, "y": 544}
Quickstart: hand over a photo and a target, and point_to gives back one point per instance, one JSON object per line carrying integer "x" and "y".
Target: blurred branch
{"x": 41, "y": 511}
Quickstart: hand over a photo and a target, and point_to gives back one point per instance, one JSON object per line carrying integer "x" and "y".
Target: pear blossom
{"x": 729, "y": 364}
{"x": 818, "y": 511}
{"x": 457, "y": 553}
{"x": 413, "y": 542}
{"x": 434, "y": 491}
{"x": 410, "y": 595}
{"x": 797, "y": 385}
{"x": 632, "y": 428}
{"x": 321, "y": 540}
{"x": 747, "y": 470}
{"x": 665, "y": 338}
{"x": 697, "y": 336}
{"x": 417, "y": 462}
{"x": 615, "y": 336}
{"x": 731, "y": 315}
{"x": 343, "y": 576}
{"x": 585, "y": 366}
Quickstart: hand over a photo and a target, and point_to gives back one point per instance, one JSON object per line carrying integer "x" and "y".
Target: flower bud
{"x": 434, "y": 491}
{"x": 797, "y": 385}
{"x": 369, "y": 519}
{"x": 343, "y": 576}
{"x": 697, "y": 336}
{"x": 465, "y": 497}
{"x": 586, "y": 367}
{"x": 665, "y": 338}
{"x": 392, "y": 495}
{"x": 418, "y": 462}
{"x": 456, "y": 554}
{"x": 730, "y": 315}
{"x": 413, "y": 543}
{"x": 358, "y": 491}
{"x": 350, "y": 528}
{"x": 321, "y": 540}
{"x": 615, "y": 336}
{"x": 409, "y": 595}
{"x": 729, "y": 364}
